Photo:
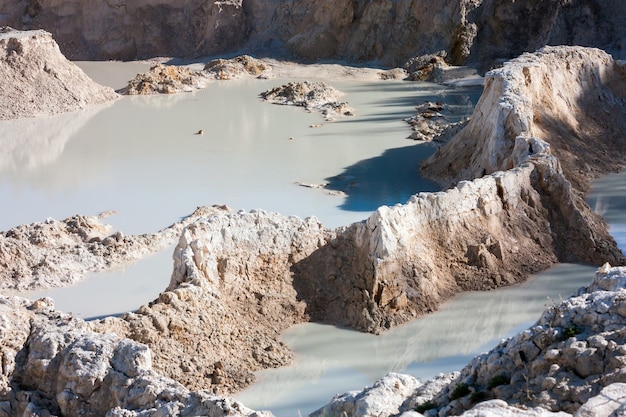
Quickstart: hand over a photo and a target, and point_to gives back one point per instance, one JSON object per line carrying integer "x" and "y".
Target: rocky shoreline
{"x": 516, "y": 175}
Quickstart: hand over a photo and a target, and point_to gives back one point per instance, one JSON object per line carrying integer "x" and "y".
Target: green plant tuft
{"x": 498, "y": 380}
{"x": 571, "y": 331}
{"x": 460, "y": 390}
{"x": 478, "y": 397}
{"x": 428, "y": 405}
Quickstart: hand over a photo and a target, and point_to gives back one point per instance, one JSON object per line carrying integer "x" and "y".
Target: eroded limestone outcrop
{"x": 53, "y": 365}
{"x": 38, "y": 80}
{"x": 401, "y": 262}
{"x": 560, "y": 102}
{"x": 572, "y": 361}
{"x": 230, "y": 297}
{"x": 56, "y": 253}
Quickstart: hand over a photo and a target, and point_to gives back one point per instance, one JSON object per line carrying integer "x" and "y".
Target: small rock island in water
{"x": 550, "y": 120}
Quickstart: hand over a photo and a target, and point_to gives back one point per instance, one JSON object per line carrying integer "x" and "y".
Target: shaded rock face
{"x": 482, "y": 32}
{"x": 38, "y": 80}
{"x": 110, "y": 30}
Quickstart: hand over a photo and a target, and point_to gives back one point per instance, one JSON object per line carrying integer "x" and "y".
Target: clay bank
{"x": 516, "y": 173}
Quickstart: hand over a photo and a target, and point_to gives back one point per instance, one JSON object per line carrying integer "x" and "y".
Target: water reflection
{"x": 29, "y": 144}
{"x": 331, "y": 360}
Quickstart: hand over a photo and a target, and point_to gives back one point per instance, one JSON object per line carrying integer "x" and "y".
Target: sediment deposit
{"x": 37, "y": 80}
{"x": 170, "y": 79}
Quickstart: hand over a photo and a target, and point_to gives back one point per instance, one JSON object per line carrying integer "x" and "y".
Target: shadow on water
{"x": 388, "y": 179}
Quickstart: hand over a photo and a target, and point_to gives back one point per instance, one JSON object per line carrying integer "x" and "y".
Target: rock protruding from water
{"x": 229, "y": 69}
{"x": 165, "y": 79}
{"x": 571, "y": 362}
{"x": 230, "y": 297}
{"x": 313, "y": 96}
{"x": 37, "y": 80}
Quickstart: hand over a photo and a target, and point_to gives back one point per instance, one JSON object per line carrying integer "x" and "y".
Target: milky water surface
{"x": 140, "y": 157}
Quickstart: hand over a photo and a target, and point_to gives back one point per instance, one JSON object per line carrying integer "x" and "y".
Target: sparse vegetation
{"x": 571, "y": 331}
{"x": 428, "y": 405}
{"x": 461, "y": 390}
{"x": 498, "y": 380}
{"x": 479, "y": 396}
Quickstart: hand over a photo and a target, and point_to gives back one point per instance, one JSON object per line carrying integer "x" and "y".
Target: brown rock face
{"x": 121, "y": 30}
{"x": 482, "y": 32}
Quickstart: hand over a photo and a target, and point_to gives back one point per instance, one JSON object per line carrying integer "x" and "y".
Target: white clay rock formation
{"x": 545, "y": 126}
{"x": 58, "y": 253}
{"x": 38, "y": 80}
{"x": 52, "y": 365}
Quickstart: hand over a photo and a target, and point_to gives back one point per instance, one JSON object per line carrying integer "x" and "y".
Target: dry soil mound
{"x": 36, "y": 79}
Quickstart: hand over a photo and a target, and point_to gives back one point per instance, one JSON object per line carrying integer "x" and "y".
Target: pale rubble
{"x": 53, "y": 365}
{"x": 313, "y": 96}
{"x": 37, "y": 79}
{"x": 432, "y": 123}
{"x": 169, "y": 79}
{"x": 238, "y": 67}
